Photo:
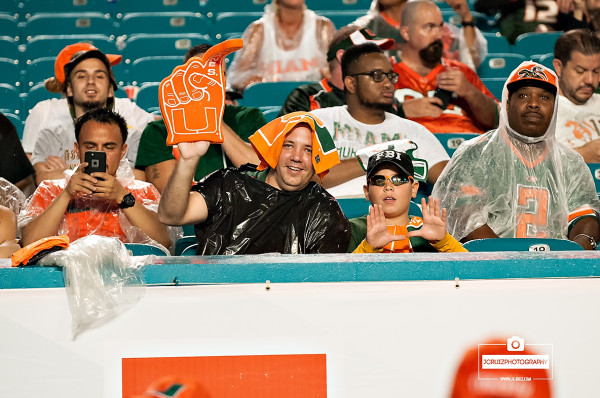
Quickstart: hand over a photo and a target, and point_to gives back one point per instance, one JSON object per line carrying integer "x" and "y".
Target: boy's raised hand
{"x": 434, "y": 221}
{"x": 377, "y": 233}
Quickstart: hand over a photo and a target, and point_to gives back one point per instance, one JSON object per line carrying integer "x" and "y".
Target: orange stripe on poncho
{"x": 268, "y": 142}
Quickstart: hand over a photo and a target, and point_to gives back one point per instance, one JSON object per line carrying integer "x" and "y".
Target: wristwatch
{"x": 127, "y": 202}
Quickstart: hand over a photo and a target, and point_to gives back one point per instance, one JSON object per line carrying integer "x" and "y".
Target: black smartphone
{"x": 96, "y": 161}
{"x": 444, "y": 95}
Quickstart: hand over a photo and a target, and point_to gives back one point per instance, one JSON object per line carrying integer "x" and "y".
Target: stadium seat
{"x": 9, "y": 48}
{"x": 153, "y": 69}
{"x": 31, "y": 7}
{"x": 15, "y": 8}
{"x": 50, "y": 46}
{"x": 343, "y": 18}
{"x": 595, "y": 170}
{"x": 214, "y": 7}
{"x": 268, "y": 94}
{"x": 270, "y": 112}
{"x": 17, "y": 122}
{"x": 10, "y": 72}
{"x": 341, "y": 5}
{"x": 140, "y": 249}
{"x": 147, "y": 97}
{"x": 451, "y": 141}
{"x": 520, "y": 245}
{"x": 499, "y": 65}
{"x": 84, "y": 23}
{"x": 495, "y": 85}
{"x": 529, "y": 44}
{"x": 183, "y": 243}
{"x": 123, "y": 7}
{"x": 36, "y": 94}
{"x": 497, "y": 43}
{"x": 233, "y": 24}
{"x": 358, "y": 207}
{"x": 547, "y": 60}
{"x": 9, "y": 26}
{"x": 38, "y": 70}
{"x": 164, "y": 22}
{"x": 144, "y": 45}
{"x": 190, "y": 250}
{"x": 10, "y": 99}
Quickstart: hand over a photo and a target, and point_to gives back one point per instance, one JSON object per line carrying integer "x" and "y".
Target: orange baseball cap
{"x": 532, "y": 74}
{"x": 72, "y": 54}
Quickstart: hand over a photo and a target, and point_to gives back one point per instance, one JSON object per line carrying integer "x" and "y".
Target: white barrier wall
{"x": 380, "y": 339}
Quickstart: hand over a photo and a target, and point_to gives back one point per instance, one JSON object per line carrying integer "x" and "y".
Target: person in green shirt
{"x": 158, "y": 160}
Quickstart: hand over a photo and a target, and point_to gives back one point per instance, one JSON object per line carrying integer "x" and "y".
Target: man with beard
{"x": 517, "y": 181}
{"x": 84, "y": 75}
{"x": 577, "y": 64}
{"x": 426, "y": 79}
{"x": 369, "y": 86}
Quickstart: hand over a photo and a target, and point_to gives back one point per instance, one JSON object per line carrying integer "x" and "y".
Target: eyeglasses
{"x": 378, "y": 76}
{"x": 379, "y": 180}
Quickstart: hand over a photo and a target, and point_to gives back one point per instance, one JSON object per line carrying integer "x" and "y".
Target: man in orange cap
{"x": 84, "y": 75}
{"x": 517, "y": 181}
{"x": 275, "y": 207}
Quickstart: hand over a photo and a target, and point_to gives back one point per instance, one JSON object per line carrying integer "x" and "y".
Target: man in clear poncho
{"x": 517, "y": 181}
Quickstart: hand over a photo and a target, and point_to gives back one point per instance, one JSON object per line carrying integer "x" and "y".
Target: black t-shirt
{"x": 14, "y": 164}
{"x": 248, "y": 216}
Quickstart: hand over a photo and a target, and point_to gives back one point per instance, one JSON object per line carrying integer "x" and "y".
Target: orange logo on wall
{"x": 192, "y": 98}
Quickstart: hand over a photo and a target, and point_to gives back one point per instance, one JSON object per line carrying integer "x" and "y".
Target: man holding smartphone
{"x": 95, "y": 200}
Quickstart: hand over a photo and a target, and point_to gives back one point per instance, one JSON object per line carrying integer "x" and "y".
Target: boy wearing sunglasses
{"x": 390, "y": 187}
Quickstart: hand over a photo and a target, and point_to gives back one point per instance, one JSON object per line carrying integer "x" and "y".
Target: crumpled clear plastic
{"x": 519, "y": 186}
{"x": 102, "y": 281}
{"x": 87, "y": 214}
{"x": 248, "y": 65}
{"x": 11, "y": 196}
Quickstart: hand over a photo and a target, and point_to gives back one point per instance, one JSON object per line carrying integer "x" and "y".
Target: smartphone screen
{"x": 96, "y": 161}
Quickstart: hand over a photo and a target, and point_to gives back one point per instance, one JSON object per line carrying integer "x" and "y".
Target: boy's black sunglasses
{"x": 379, "y": 180}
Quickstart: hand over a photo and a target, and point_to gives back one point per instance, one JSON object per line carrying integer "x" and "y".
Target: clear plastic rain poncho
{"x": 520, "y": 186}
{"x": 11, "y": 196}
{"x": 270, "y": 56}
{"x": 90, "y": 215}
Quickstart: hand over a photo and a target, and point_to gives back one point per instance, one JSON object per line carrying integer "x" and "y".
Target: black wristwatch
{"x": 127, "y": 202}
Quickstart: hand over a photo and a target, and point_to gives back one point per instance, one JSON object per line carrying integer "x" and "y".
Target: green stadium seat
{"x": 9, "y": 26}
{"x": 147, "y": 97}
{"x": 153, "y": 69}
{"x": 451, "y": 141}
{"x": 10, "y": 99}
{"x": 141, "y": 249}
{"x": 9, "y": 48}
{"x": 38, "y": 70}
{"x": 520, "y": 245}
{"x": 547, "y": 60}
{"x": 10, "y": 72}
{"x": 358, "y": 207}
{"x": 145, "y": 45}
{"x": 36, "y": 94}
{"x": 50, "y": 45}
{"x": 495, "y": 85}
{"x": 268, "y": 93}
{"x": 164, "y": 22}
{"x": 497, "y": 43}
{"x": 31, "y": 7}
{"x": 83, "y": 23}
{"x": 499, "y": 65}
{"x": 342, "y": 18}
{"x": 342, "y": 5}
{"x": 270, "y": 112}
{"x": 529, "y": 44}
{"x": 232, "y": 24}
{"x": 595, "y": 170}
{"x": 123, "y": 7}
{"x": 184, "y": 243}
{"x": 213, "y": 7}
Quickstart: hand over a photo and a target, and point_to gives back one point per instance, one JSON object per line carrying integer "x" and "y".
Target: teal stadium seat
{"x": 9, "y": 48}
{"x": 10, "y": 72}
{"x": 50, "y": 45}
{"x": 270, "y": 112}
{"x": 358, "y": 207}
{"x": 595, "y": 170}
{"x": 15, "y": 8}
{"x": 495, "y": 85}
{"x": 520, "y": 245}
{"x": 124, "y": 7}
{"x": 38, "y": 70}
{"x": 140, "y": 249}
{"x": 342, "y": 18}
{"x": 451, "y": 141}
{"x": 341, "y": 5}
{"x": 529, "y": 44}
{"x": 145, "y": 44}
{"x": 499, "y": 65}
{"x": 164, "y": 22}
{"x": 213, "y": 7}
{"x": 32, "y": 7}
{"x": 10, "y": 99}
{"x": 268, "y": 93}
{"x": 497, "y": 43}
{"x": 17, "y": 122}
{"x": 183, "y": 244}
{"x": 232, "y": 24}
{"x": 147, "y": 97}
{"x": 85, "y": 23}
{"x": 9, "y": 26}
{"x": 36, "y": 94}
{"x": 547, "y": 60}
{"x": 153, "y": 69}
